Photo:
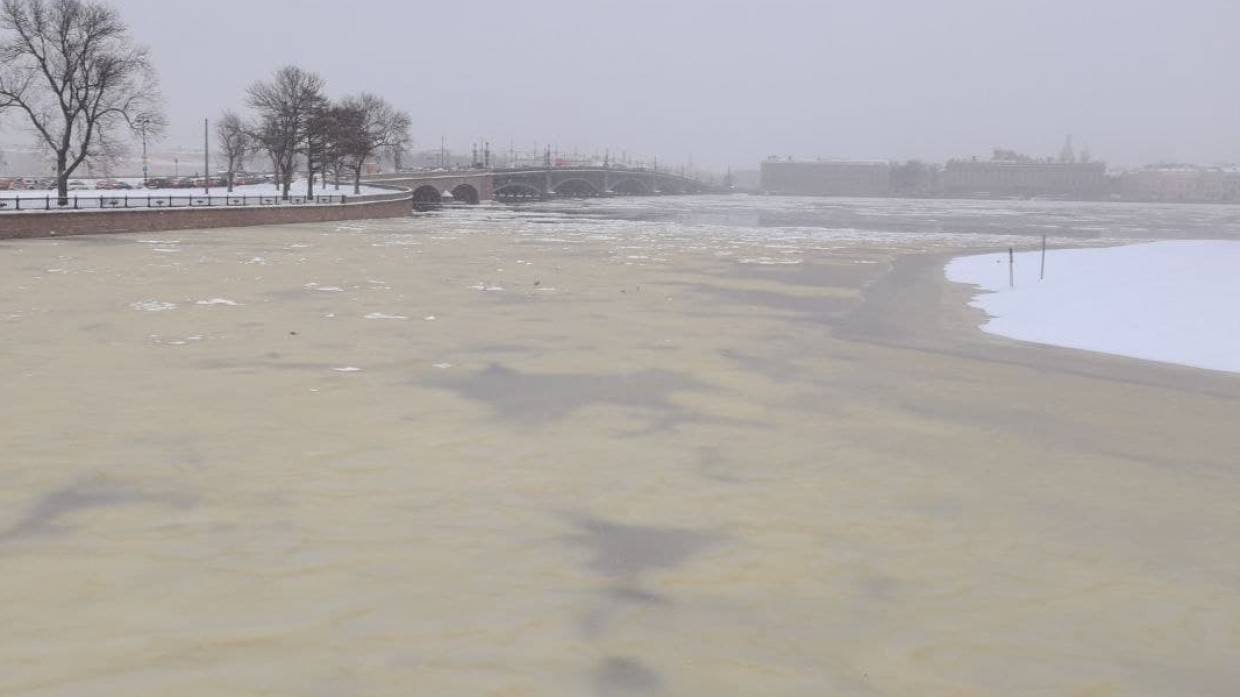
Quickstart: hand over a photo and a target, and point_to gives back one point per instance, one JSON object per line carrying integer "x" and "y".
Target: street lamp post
{"x": 146, "y": 175}
{"x": 206, "y": 159}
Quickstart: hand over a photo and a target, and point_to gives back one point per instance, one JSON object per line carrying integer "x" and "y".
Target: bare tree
{"x": 235, "y": 142}
{"x": 330, "y": 130}
{"x": 72, "y": 69}
{"x": 370, "y": 125}
{"x": 268, "y": 138}
{"x": 286, "y": 107}
{"x": 399, "y": 147}
{"x": 321, "y": 147}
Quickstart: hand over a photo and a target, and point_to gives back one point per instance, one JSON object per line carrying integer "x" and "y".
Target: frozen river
{"x": 682, "y": 446}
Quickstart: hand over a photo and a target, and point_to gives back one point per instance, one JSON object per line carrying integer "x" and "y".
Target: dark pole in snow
{"x": 1011, "y": 267}
{"x": 1042, "y": 275}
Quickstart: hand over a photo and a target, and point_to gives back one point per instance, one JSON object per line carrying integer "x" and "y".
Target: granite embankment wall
{"x": 62, "y": 223}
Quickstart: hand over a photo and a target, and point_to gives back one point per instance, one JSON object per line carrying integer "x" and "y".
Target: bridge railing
{"x": 393, "y": 193}
{"x": 108, "y": 202}
{"x": 614, "y": 169}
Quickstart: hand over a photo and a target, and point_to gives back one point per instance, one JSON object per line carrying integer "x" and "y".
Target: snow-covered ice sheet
{"x": 1175, "y": 301}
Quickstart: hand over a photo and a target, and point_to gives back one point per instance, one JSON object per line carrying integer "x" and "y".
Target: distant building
{"x": 916, "y": 178}
{"x": 1220, "y": 184}
{"x": 1007, "y": 174}
{"x": 1181, "y": 183}
{"x": 1025, "y": 178}
{"x": 826, "y": 178}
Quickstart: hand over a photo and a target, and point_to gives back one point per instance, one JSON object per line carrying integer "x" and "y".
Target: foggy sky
{"x": 729, "y": 83}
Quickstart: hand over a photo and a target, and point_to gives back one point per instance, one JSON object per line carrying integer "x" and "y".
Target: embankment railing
{"x": 109, "y": 202}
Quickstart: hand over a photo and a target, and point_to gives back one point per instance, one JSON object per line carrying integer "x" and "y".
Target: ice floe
{"x": 153, "y": 306}
{"x": 380, "y": 315}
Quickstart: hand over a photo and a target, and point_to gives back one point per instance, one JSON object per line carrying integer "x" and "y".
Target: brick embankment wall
{"x": 57, "y": 224}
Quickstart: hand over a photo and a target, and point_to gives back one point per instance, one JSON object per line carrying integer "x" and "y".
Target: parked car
{"x": 107, "y": 184}
{"x": 8, "y": 184}
{"x": 158, "y": 183}
{"x": 78, "y": 185}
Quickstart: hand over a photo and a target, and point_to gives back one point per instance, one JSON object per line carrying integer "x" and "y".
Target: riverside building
{"x": 826, "y": 178}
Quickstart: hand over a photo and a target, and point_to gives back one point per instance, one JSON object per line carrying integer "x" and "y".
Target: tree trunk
{"x": 357, "y": 180}
{"x": 275, "y": 168}
{"x": 62, "y": 179}
{"x": 309, "y": 178}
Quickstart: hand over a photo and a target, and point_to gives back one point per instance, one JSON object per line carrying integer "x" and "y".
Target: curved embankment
{"x": 99, "y": 222}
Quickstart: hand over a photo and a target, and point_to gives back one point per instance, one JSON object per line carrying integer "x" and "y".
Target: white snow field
{"x": 1175, "y": 301}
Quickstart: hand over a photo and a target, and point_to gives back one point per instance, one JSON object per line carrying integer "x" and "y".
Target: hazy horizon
{"x": 728, "y": 84}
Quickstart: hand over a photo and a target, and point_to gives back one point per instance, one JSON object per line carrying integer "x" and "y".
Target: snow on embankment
{"x": 1176, "y": 302}
{"x": 138, "y": 193}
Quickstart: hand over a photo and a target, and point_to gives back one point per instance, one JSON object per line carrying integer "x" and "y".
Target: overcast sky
{"x": 729, "y": 83}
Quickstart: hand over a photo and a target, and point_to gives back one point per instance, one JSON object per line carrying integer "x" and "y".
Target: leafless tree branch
{"x": 286, "y": 107}
{"x": 70, "y": 67}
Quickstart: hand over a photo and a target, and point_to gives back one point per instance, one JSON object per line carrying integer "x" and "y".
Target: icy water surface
{"x": 628, "y": 447}
{"x": 831, "y": 222}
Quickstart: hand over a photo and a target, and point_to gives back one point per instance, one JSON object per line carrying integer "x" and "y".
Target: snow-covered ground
{"x": 1175, "y": 301}
{"x": 299, "y": 189}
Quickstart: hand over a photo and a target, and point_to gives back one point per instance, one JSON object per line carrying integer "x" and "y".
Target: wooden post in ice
{"x": 1042, "y": 274}
{"x": 1011, "y": 267}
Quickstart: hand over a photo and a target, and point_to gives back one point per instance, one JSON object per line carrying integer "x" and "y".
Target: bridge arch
{"x": 632, "y": 186}
{"x": 466, "y": 193}
{"x": 671, "y": 186}
{"x": 426, "y": 198}
{"x": 576, "y": 188}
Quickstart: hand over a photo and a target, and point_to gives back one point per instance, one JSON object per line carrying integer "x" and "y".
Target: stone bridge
{"x": 581, "y": 182}
{"x": 431, "y": 189}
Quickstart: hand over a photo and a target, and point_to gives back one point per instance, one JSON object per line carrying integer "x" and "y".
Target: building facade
{"x": 826, "y": 178}
{"x": 1026, "y": 178}
{"x": 1181, "y": 184}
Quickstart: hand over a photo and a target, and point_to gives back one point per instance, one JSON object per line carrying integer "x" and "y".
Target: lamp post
{"x": 206, "y": 159}
{"x": 143, "y": 125}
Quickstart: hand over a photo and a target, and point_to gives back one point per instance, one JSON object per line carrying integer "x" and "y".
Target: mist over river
{"x": 647, "y": 446}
